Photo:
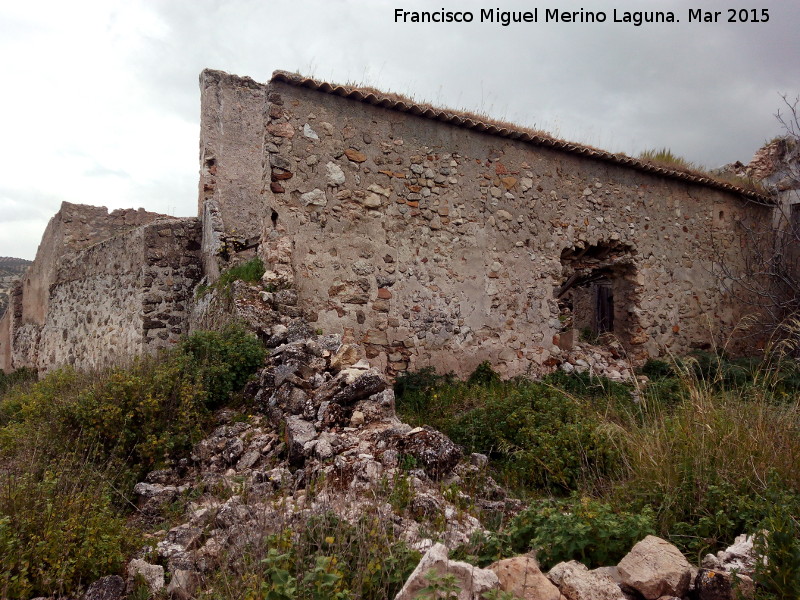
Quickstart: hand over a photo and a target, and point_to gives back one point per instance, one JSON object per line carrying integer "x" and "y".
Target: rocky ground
{"x": 324, "y": 438}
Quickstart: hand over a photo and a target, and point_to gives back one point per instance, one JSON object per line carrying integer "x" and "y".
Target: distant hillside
{"x": 10, "y": 270}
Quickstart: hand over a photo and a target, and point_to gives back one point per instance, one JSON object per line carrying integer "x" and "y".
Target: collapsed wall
{"x": 434, "y": 243}
{"x": 101, "y": 289}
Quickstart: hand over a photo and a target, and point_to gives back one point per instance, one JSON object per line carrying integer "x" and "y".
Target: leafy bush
{"x": 321, "y": 558}
{"x": 483, "y": 375}
{"x": 590, "y": 531}
{"x": 779, "y": 542}
{"x": 142, "y": 415}
{"x": 412, "y": 382}
{"x": 539, "y": 437}
{"x": 221, "y": 361}
{"x": 58, "y": 530}
{"x": 658, "y": 369}
{"x": 72, "y": 446}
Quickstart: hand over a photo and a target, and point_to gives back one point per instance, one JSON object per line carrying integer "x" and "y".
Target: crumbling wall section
{"x": 433, "y": 244}
{"x": 231, "y": 135}
{"x": 124, "y": 296}
{"x": 72, "y": 228}
{"x": 172, "y": 268}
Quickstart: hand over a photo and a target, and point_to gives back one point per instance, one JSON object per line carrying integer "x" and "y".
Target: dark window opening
{"x": 603, "y": 292}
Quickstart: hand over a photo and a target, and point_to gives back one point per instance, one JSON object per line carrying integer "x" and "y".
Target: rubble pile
{"x": 324, "y": 437}
{"x": 608, "y": 361}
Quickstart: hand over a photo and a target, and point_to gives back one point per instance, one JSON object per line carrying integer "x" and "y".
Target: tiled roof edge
{"x": 369, "y": 97}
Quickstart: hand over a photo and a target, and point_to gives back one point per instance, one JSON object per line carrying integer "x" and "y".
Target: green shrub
{"x": 658, "y": 369}
{"x": 58, "y": 531}
{"x": 324, "y": 557}
{"x": 539, "y": 438}
{"x": 582, "y": 529}
{"x": 221, "y": 361}
{"x": 439, "y": 587}
{"x": 483, "y": 374}
{"x": 542, "y": 438}
{"x": 142, "y": 415}
{"x": 779, "y": 543}
{"x": 72, "y": 446}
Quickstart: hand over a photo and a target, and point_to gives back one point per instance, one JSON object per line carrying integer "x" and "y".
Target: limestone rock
{"x": 335, "y": 174}
{"x": 111, "y": 587}
{"x": 183, "y": 584}
{"x": 717, "y": 585}
{"x": 315, "y": 197}
{"x": 472, "y": 581}
{"x": 365, "y": 385}
{"x": 433, "y": 450}
{"x": 576, "y": 582}
{"x": 346, "y": 356}
{"x": 655, "y": 568}
{"x": 522, "y": 577}
{"x": 298, "y": 432}
{"x": 740, "y": 556}
{"x": 153, "y": 575}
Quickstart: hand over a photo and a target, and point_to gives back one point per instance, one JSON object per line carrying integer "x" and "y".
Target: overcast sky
{"x": 100, "y": 100}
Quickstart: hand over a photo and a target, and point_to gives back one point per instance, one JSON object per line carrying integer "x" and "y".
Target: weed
{"x": 579, "y": 528}
{"x": 439, "y": 587}
{"x": 665, "y": 156}
{"x": 250, "y": 272}
{"x": 483, "y": 375}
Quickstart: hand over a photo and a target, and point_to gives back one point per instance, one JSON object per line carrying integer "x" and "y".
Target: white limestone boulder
{"x": 656, "y": 568}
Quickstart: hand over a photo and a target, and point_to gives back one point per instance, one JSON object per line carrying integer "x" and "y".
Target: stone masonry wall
{"x": 123, "y": 296}
{"x": 434, "y": 244}
{"x": 91, "y": 318}
{"x": 173, "y": 266}
{"x": 231, "y": 205}
{"x": 74, "y": 226}
{"x": 428, "y": 243}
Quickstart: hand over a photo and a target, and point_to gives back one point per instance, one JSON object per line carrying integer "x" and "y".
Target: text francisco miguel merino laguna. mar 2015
{"x": 557, "y": 15}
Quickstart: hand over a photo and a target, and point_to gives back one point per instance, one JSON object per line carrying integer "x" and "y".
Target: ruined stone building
{"x": 429, "y": 237}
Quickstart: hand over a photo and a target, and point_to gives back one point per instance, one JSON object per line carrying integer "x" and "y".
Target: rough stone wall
{"x": 92, "y": 317}
{"x": 125, "y": 295}
{"x": 428, "y": 243}
{"x": 173, "y": 266}
{"x": 73, "y": 227}
{"x": 433, "y": 244}
{"x": 231, "y": 136}
{"x": 10, "y": 319}
{"x": 11, "y": 270}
